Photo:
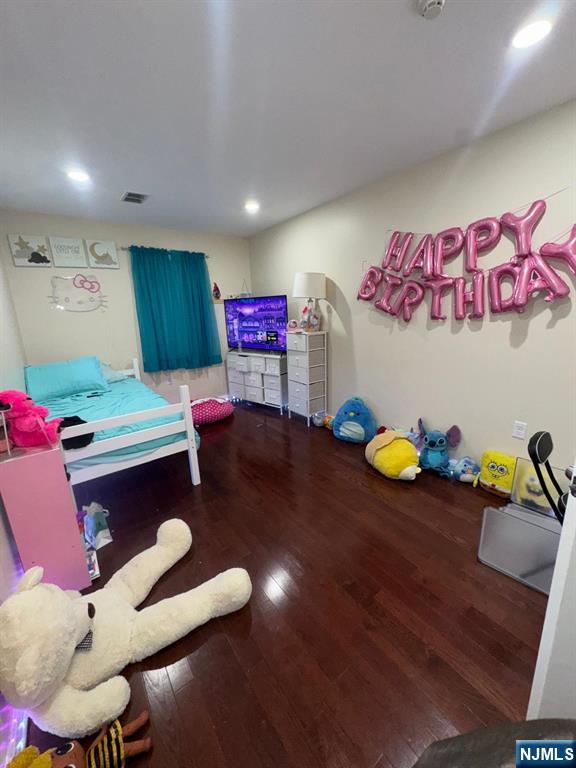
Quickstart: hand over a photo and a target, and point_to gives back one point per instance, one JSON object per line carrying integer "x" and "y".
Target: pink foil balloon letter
{"x": 438, "y": 288}
{"x": 474, "y": 296}
{"x": 422, "y": 258}
{"x": 447, "y": 245}
{"x": 522, "y": 228}
{"x": 537, "y": 275}
{"x": 496, "y": 275}
{"x": 370, "y": 282}
{"x": 391, "y": 282}
{"x": 565, "y": 251}
{"x": 397, "y": 250}
{"x": 409, "y": 298}
{"x": 481, "y": 236}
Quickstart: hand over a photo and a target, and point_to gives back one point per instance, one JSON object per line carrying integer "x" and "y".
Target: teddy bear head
{"x": 40, "y": 627}
{"x": 15, "y": 403}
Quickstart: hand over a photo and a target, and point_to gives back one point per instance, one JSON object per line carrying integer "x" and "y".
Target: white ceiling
{"x": 202, "y": 104}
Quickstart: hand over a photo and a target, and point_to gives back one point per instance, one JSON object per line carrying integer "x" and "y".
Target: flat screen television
{"x": 257, "y": 322}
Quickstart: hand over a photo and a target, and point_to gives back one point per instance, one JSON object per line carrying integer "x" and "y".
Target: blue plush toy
{"x": 466, "y": 470}
{"x": 354, "y": 422}
{"x": 435, "y": 444}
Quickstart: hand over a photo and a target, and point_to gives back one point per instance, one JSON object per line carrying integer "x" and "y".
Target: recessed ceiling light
{"x": 77, "y": 174}
{"x": 531, "y": 34}
{"x": 252, "y": 207}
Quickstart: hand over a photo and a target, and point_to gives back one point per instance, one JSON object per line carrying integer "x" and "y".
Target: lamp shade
{"x": 309, "y": 285}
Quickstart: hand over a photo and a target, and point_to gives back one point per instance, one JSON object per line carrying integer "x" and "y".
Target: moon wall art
{"x": 102, "y": 254}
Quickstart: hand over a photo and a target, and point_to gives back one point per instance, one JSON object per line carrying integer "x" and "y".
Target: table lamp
{"x": 311, "y": 286}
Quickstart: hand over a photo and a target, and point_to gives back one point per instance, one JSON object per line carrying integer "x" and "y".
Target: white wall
{"x": 554, "y": 687}
{"x": 11, "y": 351}
{"x": 479, "y": 374}
{"x": 112, "y": 334}
{"x": 11, "y": 377}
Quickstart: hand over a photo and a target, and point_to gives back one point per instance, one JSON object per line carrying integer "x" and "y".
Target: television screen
{"x": 257, "y": 322}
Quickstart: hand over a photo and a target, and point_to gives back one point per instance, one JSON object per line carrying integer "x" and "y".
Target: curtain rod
{"x": 127, "y": 248}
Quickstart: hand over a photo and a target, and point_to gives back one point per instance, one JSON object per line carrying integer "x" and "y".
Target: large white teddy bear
{"x": 60, "y": 653}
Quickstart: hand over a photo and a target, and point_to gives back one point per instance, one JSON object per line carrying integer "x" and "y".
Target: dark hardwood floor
{"x": 372, "y": 629}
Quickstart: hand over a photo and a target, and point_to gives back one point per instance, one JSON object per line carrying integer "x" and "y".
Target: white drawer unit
{"x": 306, "y": 407}
{"x": 307, "y": 373}
{"x": 234, "y": 376}
{"x": 254, "y": 394}
{"x": 258, "y": 364}
{"x": 306, "y": 391}
{"x": 258, "y": 378}
{"x": 305, "y": 342}
{"x": 273, "y": 397}
{"x": 306, "y": 359}
{"x": 253, "y": 379}
{"x": 236, "y": 391}
{"x": 243, "y": 363}
{"x": 271, "y": 382}
{"x": 276, "y": 366}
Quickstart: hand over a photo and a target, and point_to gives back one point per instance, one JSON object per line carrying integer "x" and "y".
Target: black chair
{"x": 540, "y": 447}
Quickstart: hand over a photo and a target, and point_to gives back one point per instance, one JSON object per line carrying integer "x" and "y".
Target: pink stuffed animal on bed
{"x": 26, "y": 422}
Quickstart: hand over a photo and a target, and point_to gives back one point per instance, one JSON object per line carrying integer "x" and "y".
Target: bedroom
{"x": 276, "y": 141}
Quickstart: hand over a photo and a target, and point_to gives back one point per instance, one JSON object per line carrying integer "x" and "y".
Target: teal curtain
{"x": 175, "y": 309}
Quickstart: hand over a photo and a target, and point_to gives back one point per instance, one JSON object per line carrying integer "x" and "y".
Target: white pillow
{"x": 111, "y": 374}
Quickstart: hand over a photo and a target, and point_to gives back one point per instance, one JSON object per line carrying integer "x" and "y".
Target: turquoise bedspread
{"x": 128, "y": 396}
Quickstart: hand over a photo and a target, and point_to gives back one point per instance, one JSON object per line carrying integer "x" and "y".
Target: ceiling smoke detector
{"x": 134, "y": 197}
{"x": 430, "y": 9}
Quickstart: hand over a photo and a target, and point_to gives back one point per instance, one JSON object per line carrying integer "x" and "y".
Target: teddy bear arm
{"x": 72, "y": 713}
{"x": 135, "y": 579}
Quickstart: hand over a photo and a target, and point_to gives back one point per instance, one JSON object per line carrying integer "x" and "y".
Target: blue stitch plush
{"x": 354, "y": 422}
{"x": 435, "y": 444}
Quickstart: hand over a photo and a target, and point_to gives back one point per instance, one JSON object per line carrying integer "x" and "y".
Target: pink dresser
{"x": 42, "y": 515}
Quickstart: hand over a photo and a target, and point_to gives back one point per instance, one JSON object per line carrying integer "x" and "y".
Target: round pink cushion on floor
{"x": 211, "y": 409}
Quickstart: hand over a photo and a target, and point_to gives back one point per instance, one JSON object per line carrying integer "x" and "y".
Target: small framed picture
{"x": 102, "y": 254}
{"x": 68, "y": 252}
{"x": 29, "y": 251}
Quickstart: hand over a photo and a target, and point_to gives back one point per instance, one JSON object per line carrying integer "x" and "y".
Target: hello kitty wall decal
{"x": 412, "y": 267}
{"x": 79, "y": 293}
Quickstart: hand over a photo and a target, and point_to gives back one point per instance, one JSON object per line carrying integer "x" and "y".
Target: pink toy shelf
{"x": 42, "y": 514}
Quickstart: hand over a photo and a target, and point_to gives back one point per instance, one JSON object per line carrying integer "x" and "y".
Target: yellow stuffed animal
{"x": 497, "y": 472}
{"x": 393, "y": 455}
{"x": 31, "y": 758}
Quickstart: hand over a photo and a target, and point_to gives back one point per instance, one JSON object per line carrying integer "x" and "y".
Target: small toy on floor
{"x": 393, "y": 455}
{"x": 108, "y": 750}
{"x": 95, "y": 524}
{"x": 323, "y": 419}
{"x": 465, "y": 470}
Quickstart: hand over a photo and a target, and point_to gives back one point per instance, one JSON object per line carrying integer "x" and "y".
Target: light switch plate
{"x": 519, "y": 430}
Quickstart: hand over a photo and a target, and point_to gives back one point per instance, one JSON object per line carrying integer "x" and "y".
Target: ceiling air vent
{"x": 134, "y": 197}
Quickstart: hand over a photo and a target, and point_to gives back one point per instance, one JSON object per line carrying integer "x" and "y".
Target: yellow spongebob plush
{"x": 392, "y": 454}
{"x": 497, "y": 472}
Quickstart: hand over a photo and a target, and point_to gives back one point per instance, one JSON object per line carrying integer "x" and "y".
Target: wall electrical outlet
{"x": 519, "y": 430}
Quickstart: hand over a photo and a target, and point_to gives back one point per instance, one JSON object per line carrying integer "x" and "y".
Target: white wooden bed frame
{"x": 184, "y": 424}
